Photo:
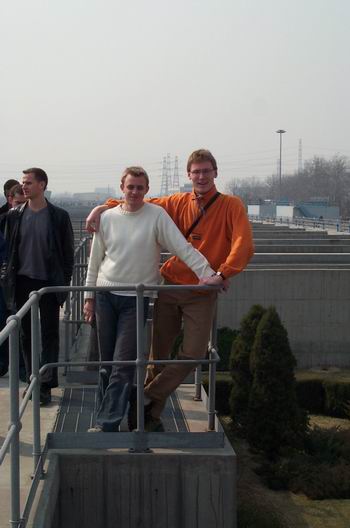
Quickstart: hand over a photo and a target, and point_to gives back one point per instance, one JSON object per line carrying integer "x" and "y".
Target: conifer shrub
{"x": 336, "y": 395}
{"x": 320, "y": 471}
{"x": 274, "y": 420}
{"x": 225, "y": 337}
{"x": 311, "y": 395}
{"x": 240, "y": 364}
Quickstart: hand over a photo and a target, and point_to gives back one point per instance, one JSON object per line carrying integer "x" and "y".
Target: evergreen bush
{"x": 240, "y": 364}
{"x": 311, "y": 395}
{"x": 321, "y": 471}
{"x": 225, "y": 337}
{"x": 336, "y": 395}
{"x": 274, "y": 419}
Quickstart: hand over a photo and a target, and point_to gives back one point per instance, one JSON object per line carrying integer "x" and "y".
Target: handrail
{"x": 338, "y": 225}
{"x": 11, "y": 331}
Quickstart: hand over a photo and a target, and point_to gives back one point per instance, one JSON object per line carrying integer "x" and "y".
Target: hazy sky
{"x": 90, "y": 86}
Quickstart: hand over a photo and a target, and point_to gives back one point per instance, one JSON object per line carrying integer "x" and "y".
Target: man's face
{"x": 202, "y": 176}
{"x": 32, "y": 188}
{"x": 17, "y": 200}
{"x": 134, "y": 189}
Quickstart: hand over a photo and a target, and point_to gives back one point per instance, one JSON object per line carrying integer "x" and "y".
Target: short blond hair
{"x": 199, "y": 156}
{"x": 137, "y": 172}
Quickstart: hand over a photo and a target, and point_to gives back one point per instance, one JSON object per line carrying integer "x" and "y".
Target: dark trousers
{"x": 4, "y": 347}
{"x": 49, "y": 322}
{"x": 116, "y": 330}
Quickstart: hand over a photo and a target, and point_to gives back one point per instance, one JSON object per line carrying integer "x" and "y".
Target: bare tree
{"x": 329, "y": 179}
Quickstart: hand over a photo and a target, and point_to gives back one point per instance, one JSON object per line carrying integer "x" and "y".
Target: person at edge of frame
{"x": 223, "y": 235}
{"x": 125, "y": 251}
{"x": 14, "y": 197}
{"x": 40, "y": 244}
{"x": 7, "y": 187}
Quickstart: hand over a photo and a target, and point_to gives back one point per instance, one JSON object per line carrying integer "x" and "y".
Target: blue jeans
{"x": 116, "y": 331}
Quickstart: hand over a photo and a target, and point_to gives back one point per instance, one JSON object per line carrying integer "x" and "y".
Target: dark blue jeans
{"x": 116, "y": 331}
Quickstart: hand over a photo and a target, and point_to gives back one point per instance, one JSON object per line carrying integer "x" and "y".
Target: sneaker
{"x": 154, "y": 425}
{"x": 96, "y": 429}
{"x": 45, "y": 396}
{"x": 132, "y": 413}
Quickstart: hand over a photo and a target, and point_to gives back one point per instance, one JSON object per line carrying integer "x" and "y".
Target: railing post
{"x": 36, "y": 389}
{"x": 140, "y": 364}
{"x": 198, "y": 383}
{"x": 212, "y": 376}
{"x": 15, "y": 521}
{"x": 67, "y": 330}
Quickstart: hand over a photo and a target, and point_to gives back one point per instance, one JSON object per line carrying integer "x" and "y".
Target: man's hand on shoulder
{"x": 92, "y": 223}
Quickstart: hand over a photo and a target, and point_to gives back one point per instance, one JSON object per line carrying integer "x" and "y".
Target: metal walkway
{"x": 78, "y": 408}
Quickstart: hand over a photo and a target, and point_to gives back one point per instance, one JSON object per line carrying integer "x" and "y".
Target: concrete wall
{"x": 166, "y": 489}
{"x": 314, "y": 305}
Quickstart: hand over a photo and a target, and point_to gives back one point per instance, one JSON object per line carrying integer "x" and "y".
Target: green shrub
{"x": 222, "y": 394}
{"x": 336, "y": 396}
{"x": 225, "y": 338}
{"x": 311, "y": 395}
{"x": 321, "y": 471}
{"x": 275, "y": 420}
{"x": 240, "y": 364}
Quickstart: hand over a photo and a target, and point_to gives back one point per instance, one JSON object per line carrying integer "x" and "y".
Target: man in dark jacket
{"x": 40, "y": 253}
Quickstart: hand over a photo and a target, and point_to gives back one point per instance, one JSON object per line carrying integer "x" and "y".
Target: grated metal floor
{"x": 78, "y": 408}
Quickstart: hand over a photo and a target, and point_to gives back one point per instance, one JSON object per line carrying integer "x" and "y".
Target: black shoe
{"x": 3, "y": 369}
{"x": 132, "y": 413}
{"x": 23, "y": 374}
{"x": 45, "y": 396}
{"x": 153, "y": 425}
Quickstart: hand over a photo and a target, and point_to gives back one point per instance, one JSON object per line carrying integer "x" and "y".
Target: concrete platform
{"x": 48, "y": 418}
{"x": 94, "y": 483}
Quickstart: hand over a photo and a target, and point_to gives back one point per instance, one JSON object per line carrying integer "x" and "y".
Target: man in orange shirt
{"x": 223, "y": 235}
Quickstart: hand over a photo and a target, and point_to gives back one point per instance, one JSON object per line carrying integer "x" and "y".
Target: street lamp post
{"x": 280, "y": 132}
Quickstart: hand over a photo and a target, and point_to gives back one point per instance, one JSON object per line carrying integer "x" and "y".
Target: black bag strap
{"x": 205, "y": 208}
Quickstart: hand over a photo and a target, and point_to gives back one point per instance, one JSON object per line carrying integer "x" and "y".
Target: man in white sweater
{"x": 125, "y": 251}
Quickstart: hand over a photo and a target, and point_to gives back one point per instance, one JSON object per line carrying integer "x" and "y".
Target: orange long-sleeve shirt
{"x": 223, "y": 234}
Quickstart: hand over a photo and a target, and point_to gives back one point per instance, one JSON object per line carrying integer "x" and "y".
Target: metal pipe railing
{"x": 11, "y": 331}
{"x": 72, "y": 321}
{"x": 337, "y": 225}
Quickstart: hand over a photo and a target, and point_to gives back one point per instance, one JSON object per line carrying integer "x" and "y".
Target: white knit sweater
{"x": 126, "y": 250}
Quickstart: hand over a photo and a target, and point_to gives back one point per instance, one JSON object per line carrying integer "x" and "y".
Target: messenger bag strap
{"x": 205, "y": 208}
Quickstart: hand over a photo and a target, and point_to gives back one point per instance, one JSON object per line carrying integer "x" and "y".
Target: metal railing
{"x": 338, "y": 225}
{"x": 11, "y": 332}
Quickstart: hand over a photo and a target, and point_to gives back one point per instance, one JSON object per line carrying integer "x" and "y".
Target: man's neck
{"x": 130, "y": 207}
{"x": 35, "y": 204}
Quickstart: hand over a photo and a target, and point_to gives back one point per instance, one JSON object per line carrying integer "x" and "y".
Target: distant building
{"x": 90, "y": 197}
{"x": 109, "y": 191}
{"x": 312, "y": 209}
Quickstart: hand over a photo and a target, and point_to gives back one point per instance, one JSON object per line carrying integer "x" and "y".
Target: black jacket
{"x": 61, "y": 251}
